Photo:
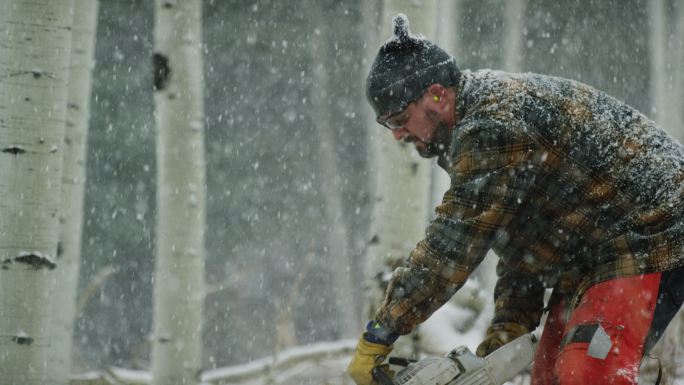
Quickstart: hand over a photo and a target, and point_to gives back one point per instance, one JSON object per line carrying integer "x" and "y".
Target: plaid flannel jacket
{"x": 569, "y": 186}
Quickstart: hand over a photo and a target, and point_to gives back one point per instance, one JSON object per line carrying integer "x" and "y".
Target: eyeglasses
{"x": 395, "y": 121}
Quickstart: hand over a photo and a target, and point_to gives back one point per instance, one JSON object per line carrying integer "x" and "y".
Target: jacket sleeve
{"x": 518, "y": 298}
{"x": 490, "y": 173}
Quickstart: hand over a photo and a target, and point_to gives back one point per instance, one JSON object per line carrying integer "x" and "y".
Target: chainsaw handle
{"x": 401, "y": 361}
{"x": 381, "y": 376}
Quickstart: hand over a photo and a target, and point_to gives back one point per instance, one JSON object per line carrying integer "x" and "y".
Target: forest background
{"x": 293, "y": 175}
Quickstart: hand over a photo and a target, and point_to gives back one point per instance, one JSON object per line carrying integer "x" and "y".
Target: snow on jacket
{"x": 568, "y": 186}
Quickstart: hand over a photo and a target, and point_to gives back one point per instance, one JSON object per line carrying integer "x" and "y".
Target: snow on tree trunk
{"x": 73, "y": 182}
{"x": 180, "y": 250}
{"x": 35, "y": 43}
{"x": 337, "y": 257}
{"x": 402, "y": 179}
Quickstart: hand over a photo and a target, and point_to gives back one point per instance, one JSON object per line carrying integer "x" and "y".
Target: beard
{"x": 440, "y": 142}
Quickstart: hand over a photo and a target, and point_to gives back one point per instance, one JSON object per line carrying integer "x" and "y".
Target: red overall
{"x": 624, "y": 308}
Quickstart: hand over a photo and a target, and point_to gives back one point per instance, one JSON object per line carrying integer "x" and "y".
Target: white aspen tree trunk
{"x": 472, "y": 296}
{"x": 514, "y": 13}
{"x": 677, "y": 83}
{"x": 337, "y": 256}
{"x": 658, "y": 39}
{"x": 35, "y": 43}
{"x": 180, "y": 251}
{"x": 666, "y": 113}
{"x": 73, "y": 182}
{"x": 673, "y": 339}
{"x": 670, "y": 93}
{"x": 677, "y": 325}
{"x": 402, "y": 177}
{"x": 485, "y": 274}
{"x": 372, "y": 13}
{"x": 666, "y": 105}
{"x": 448, "y": 39}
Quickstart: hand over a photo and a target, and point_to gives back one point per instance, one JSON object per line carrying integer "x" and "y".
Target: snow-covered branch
{"x": 275, "y": 367}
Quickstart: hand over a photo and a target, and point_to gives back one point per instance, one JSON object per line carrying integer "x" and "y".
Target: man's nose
{"x": 399, "y": 133}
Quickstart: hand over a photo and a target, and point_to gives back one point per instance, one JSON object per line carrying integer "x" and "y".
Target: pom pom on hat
{"x": 401, "y": 27}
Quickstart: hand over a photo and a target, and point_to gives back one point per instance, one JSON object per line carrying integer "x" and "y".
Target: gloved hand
{"x": 498, "y": 335}
{"x": 368, "y": 355}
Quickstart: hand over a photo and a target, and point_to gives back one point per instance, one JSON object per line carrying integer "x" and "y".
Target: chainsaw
{"x": 462, "y": 367}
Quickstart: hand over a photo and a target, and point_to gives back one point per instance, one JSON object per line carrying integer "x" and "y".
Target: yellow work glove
{"x": 367, "y": 356}
{"x": 498, "y": 335}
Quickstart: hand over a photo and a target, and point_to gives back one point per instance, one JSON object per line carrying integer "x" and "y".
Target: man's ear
{"x": 437, "y": 89}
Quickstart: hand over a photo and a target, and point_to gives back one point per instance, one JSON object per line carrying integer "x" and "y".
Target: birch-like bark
{"x": 671, "y": 350}
{"x": 677, "y": 81}
{"x": 401, "y": 200}
{"x": 337, "y": 256}
{"x": 666, "y": 55}
{"x": 181, "y": 191}
{"x": 657, "y": 38}
{"x": 35, "y": 43}
{"x": 373, "y": 15}
{"x": 448, "y": 20}
{"x": 448, "y": 27}
{"x": 472, "y": 296}
{"x": 514, "y": 12}
{"x": 73, "y": 182}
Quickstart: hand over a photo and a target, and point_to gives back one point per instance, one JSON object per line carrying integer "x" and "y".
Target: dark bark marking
{"x": 14, "y": 150}
{"x": 162, "y": 71}
{"x": 37, "y": 74}
{"x": 414, "y": 168}
{"x": 35, "y": 261}
{"x": 22, "y": 340}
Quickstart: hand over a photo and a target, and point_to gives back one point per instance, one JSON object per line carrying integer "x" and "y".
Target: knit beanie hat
{"x": 404, "y": 68}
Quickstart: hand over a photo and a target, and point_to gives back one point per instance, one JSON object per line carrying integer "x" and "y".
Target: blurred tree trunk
{"x": 514, "y": 13}
{"x": 667, "y": 91}
{"x": 180, "y": 250}
{"x": 471, "y": 296}
{"x": 35, "y": 43}
{"x": 373, "y": 17}
{"x": 658, "y": 54}
{"x": 73, "y": 181}
{"x": 402, "y": 179}
{"x": 677, "y": 71}
{"x": 337, "y": 258}
{"x": 673, "y": 340}
{"x": 448, "y": 20}
{"x": 676, "y": 343}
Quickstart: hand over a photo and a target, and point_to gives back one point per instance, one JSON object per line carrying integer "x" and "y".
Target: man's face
{"x": 421, "y": 125}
